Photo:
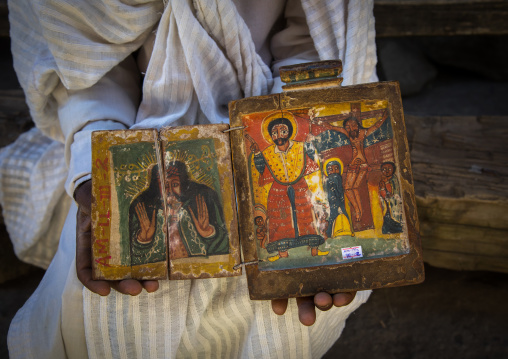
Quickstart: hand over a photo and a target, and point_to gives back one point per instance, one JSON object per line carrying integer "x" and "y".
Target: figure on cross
{"x": 356, "y": 134}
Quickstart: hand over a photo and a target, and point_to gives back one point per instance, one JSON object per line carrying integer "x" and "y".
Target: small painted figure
{"x": 146, "y": 219}
{"x": 289, "y": 211}
{"x": 261, "y": 230}
{"x": 358, "y": 166}
{"x": 322, "y": 223}
{"x": 390, "y": 199}
{"x": 195, "y": 215}
{"x": 338, "y": 222}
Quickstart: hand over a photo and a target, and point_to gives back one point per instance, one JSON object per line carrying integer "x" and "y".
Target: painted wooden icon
{"x": 324, "y": 179}
{"x": 200, "y": 202}
{"x": 329, "y": 194}
{"x": 129, "y": 234}
{"x": 156, "y": 198}
{"x": 320, "y": 176}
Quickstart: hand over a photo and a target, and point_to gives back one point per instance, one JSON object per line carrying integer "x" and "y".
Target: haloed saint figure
{"x": 146, "y": 219}
{"x": 338, "y": 222}
{"x": 196, "y": 217}
{"x": 390, "y": 199}
{"x": 289, "y": 210}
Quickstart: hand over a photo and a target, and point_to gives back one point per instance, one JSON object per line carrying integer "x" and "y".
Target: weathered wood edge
{"x": 245, "y": 200}
{"x": 440, "y": 18}
{"x": 367, "y": 274}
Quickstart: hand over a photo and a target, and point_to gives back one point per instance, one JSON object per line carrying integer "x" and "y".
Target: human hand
{"x": 307, "y": 305}
{"x": 254, "y": 147}
{"x": 147, "y": 230}
{"x": 83, "y": 195}
{"x": 317, "y": 121}
{"x": 202, "y": 221}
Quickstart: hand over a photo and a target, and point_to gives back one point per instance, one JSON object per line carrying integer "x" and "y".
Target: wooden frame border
{"x": 361, "y": 275}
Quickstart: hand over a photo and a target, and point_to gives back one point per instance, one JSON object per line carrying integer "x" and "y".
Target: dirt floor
{"x": 451, "y": 315}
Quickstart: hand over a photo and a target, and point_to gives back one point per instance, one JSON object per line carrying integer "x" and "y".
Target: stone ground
{"x": 451, "y": 315}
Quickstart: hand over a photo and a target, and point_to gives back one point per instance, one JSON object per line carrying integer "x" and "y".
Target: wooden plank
{"x": 460, "y": 157}
{"x": 464, "y": 239}
{"x": 461, "y": 261}
{"x": 414, "y": 17}
{"x": 14, "y": 116}
{"x": 440, "y": 18}
{"x": 461, "y": 185}
{"x": 473, "y": 212}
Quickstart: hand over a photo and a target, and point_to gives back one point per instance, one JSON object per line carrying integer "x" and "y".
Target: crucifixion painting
{"x": 317, "y": 182}
{"x": 358, "y": 166}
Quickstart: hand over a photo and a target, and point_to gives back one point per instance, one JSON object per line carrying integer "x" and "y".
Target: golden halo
{"x": 259, "y": 210}
{"x": 278, "y": 114}
{"x": 330, "y": 160}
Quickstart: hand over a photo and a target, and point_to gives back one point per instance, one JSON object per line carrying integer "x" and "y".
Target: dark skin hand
{"x": 83, "y": 194}
{"x": 307, "y": 305}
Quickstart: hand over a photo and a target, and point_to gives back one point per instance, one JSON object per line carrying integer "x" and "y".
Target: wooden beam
{"x": 461, "y": 186}
{"x": 457, "y": 238}
{"x": 464, "y": 261}
{"x": 440, "y": 18}
{"x": 414, "y": 17}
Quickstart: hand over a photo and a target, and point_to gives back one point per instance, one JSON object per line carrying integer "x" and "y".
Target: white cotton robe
{"x": 74, "y": 61}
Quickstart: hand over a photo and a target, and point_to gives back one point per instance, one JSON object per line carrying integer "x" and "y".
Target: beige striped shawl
{"x": 76, "y": 42}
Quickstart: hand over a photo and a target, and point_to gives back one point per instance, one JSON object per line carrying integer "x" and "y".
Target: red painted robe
{"x": 287, "y": 169}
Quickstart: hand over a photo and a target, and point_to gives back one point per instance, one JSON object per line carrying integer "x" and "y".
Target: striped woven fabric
{"x": 206, "y": 318}
{"x": 34, "y": 203}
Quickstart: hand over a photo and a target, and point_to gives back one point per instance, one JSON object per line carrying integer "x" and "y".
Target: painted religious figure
{"x": 358, "y": 166}
{"x": 261, "y": 234}
{"x": 161, "y": 194}
{"x": 196, "y": 217}
{"x": 129, "y": 231}
{"x": 284, "y": 164}
{"x": 200, "y": 202}
{"x": 338, "y": 220}
{"x": 323, "y": 180}
{"x": 390, "y": 199}
{"x": 146, "y": 220}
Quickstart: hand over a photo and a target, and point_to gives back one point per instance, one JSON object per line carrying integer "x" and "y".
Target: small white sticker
{"x": 352, "y": 252}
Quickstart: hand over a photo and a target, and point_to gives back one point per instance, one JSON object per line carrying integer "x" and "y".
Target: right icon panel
{"x": 325, "y": 184}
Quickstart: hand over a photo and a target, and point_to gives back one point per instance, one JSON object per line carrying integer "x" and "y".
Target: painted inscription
{"x": 102, "y": 254}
